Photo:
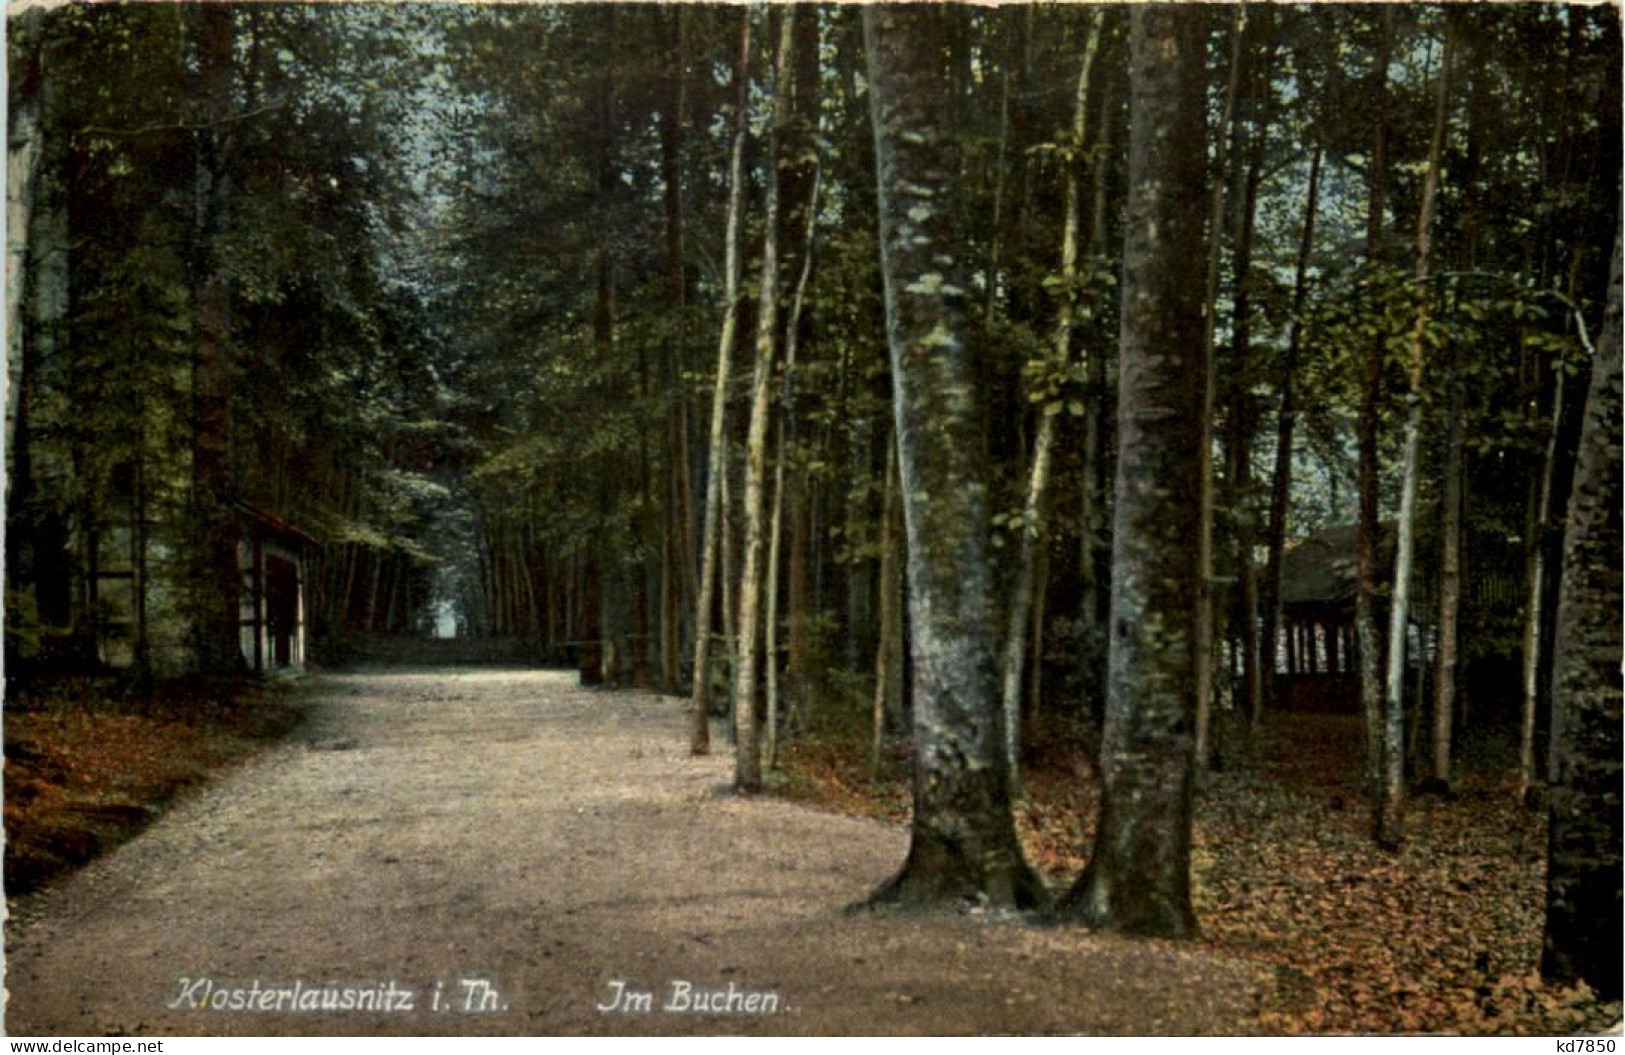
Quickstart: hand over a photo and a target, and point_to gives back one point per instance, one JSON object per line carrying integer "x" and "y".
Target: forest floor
{"x": 526, "y": 849}
{"x": 1442, "y": 937}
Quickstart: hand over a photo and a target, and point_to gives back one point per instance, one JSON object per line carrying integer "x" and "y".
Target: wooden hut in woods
{"x": 1317, "y": 662}
{"x": 272, "y": 554}
{"x": 135, "y": 587}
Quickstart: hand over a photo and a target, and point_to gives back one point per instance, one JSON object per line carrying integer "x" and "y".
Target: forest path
{"x": 506, "y": 827}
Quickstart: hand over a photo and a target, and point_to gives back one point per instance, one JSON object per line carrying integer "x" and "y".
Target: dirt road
{"x": 466, "y": 851}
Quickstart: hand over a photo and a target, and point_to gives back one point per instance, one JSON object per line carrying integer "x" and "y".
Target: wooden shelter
{"x": 1317, "y": 660}
{"x": 272, "y": 555}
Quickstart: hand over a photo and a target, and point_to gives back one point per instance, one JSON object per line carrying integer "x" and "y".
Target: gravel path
{"x": 519, "y": 851}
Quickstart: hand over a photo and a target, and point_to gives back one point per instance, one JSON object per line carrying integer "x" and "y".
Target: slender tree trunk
{"x": 1584, "y": 861}
{"x": 1534, "y": 613}
{"x": 791, "y": 343}
{"x": 700, "y": 710}
{"x": 1365, "y": 603}
{"x": 771, "y": 619}
{"x": 962, "y": 839}
{"x": 1138, "y": 879}
{"x": 24, "y": 149}
{"x": 591, "y": 661}
{"x": 1281, "y": 481}
{"x": 1094, "y": 599}
{"x": 1032, "y": 529}
{"x": 1447, "y": 711}
{"x": 689, "y": 561}
{"x": 748, "y": 758}
{"x": 138, "y": 570}
{"x": 668, "y": 598}
{"x": 1244, "y": 414}
{"x": 680, "y": 596}
{"x": 730, "y": 609}
{"x": 1204, "y": 531}
{"x": 1390, "y": 817}
{"x": 1444, "y": 680}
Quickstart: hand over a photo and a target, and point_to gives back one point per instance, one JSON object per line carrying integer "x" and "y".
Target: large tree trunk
{"x": 700, "y": 708}
{"x": 1584, "y": 860}
{"x": 962, "y": 839}
{"x": 1390, "y": 812}
{"x": 1138, "y": 879}
{"x": 748, "y": 757}
{"x": 1032, "y": 527}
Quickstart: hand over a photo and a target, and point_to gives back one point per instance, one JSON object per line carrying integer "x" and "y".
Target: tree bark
{"x": 1244, "y": 413}
{"x": 1444, "y": 680}
{"x": 1138, "y": 879}
{"x": 1535, "y": 612}
{"x": 1581, "y": 940}
{"x": 1365, "y": 602}
{"x": 700, "y": 708}
{"x": 962, "y": 839}
{"x": 1094, "y": 600}
{"x": 1390, "y": 813}
{"x": 748, "y": 756}
{"x": 889, "y": 645}
{"x": 24, "y": 149}
{"x": 1204, "y": 531}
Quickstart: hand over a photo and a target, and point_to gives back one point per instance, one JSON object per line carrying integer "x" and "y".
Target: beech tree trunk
{"x": 1390, "y": 813}
{"x": 24, "y": 149}
{"x": 748, "y": 756}
{"x": 1444, "y": 681}
{"x": 1243, "y": 419}
{"x": 700, "y": 708}
{"x": 1138, "y": 879}
{"x": 1204, "y": 531}
{"x": 1365, "y": 601}
{"x": 1535, "y": 612}
{"x": 962, "y": 839}
{"x": 1583, "y": 864}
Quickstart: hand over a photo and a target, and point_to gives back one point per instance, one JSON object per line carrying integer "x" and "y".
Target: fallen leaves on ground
{"x": 85, "y": 768}
{"x": 1440, "y": 937}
